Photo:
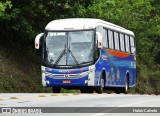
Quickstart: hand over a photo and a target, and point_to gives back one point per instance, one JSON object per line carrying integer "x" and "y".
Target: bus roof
{"x": 83, "y": 23}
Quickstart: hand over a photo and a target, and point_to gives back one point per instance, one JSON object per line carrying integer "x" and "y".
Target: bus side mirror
{"x": 133, "y": 50}
{"x": 37, "y": 40}
{"x": 99, "y": 38}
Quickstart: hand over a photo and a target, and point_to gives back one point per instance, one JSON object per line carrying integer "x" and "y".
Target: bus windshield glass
{"x": 69, "y": 48}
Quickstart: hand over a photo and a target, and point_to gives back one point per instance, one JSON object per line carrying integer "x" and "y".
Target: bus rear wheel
{"x": 126, "y": 87}
{"x": 56, "y": 89}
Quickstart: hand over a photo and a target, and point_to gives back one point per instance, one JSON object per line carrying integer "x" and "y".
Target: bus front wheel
{"x": 56, "y": 89}
{"x": 86, "y": 90}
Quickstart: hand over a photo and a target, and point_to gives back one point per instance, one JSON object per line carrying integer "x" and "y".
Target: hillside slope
{"x": 20, "y": 72}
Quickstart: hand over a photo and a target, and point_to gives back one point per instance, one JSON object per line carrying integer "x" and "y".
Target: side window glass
{"x": 110, "y": 37}
{"x": 105, "y": 37}
{"x": 122, "y": 42}
{"x": 127, "y": 43}
{"x": 116, "y": 41}
{"x": 132, "y": 41}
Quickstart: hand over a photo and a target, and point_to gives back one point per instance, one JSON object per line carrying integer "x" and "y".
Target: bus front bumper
{"x": 63, "y": 82}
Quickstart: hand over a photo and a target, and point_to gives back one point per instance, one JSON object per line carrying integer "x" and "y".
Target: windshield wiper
{"x": 73, "y": 56}
{"x": 60, "y": 56}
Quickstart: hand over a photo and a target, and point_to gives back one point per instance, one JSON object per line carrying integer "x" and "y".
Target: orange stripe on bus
{"x": 118, "y": 53}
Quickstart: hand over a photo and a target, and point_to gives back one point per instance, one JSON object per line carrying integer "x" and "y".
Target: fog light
{"x": 47, "y": 82}
{"x": 86, "y": 81}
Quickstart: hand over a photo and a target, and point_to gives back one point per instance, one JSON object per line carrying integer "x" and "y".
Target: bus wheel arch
{"x": 100, "y": 88}
{"x": 103, "y": 77}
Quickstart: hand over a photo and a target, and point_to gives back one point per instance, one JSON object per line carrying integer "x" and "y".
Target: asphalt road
{"x": 82, "y": 103}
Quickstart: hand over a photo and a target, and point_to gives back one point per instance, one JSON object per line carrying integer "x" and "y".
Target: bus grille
{"x": 66, "y": 75}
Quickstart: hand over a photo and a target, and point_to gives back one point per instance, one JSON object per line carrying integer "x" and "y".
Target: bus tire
{"x": 118, "y": 90}
{"x": 87, "y": 90}
{"x": 83, "y": 90}
{"x": 56, "y": 89}
{"x": 90, "y": 90}
{"x": 126, "y": 87}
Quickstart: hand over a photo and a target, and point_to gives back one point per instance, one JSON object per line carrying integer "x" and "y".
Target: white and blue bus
{"x": 87, "y": 54}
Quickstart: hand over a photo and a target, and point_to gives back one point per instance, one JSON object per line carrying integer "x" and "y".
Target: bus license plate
{"x": 66, "y": 81}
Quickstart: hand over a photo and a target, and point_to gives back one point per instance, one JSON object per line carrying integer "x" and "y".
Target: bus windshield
{"x": 69, "y": 48}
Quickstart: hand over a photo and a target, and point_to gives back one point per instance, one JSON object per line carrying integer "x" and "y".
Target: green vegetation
{"x": 21, "y": 21}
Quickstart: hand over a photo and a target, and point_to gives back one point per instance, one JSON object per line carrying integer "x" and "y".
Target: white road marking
{"x": 99, "y": 114}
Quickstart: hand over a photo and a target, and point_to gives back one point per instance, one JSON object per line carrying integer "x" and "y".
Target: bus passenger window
{"x": 105, "y": 39}
{"x": 122, "y": 42}
{"x": 110, "y": 33}
{"x": 127, "y": 43}
{"x": 131, "y": 41}
{"x": 116, "y": 41}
